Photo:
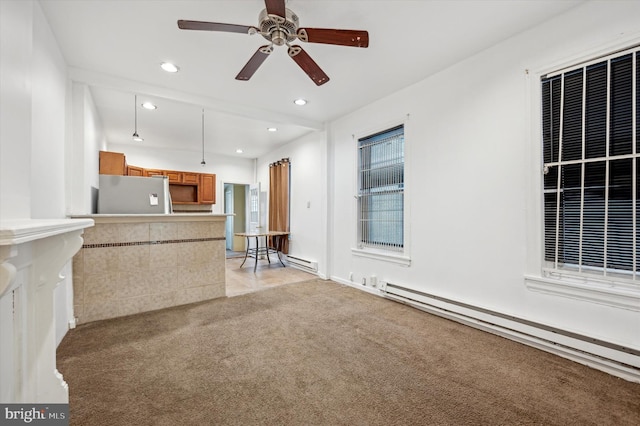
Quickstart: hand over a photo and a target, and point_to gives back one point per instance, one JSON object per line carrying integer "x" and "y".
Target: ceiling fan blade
{"x": 254, "y": 63}
{"x": 308, "y": 65}
{"x": 276, "y": 7}
{"x": 215, "y": 26}
{"x": 355, "y": 38}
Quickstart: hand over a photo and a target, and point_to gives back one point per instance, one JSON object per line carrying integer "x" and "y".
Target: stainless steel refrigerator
{"x": 134, "y": 195}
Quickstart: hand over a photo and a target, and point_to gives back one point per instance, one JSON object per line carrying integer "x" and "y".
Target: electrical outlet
{"x": 364, "y": 281}
{"x": 350, "y": 276}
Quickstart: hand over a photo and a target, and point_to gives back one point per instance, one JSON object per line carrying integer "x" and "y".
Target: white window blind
{"x": 591, "y": 181}
{"x": 381, "y": 190}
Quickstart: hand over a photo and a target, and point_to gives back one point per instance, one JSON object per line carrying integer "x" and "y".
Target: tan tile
{"x": 188, "y": 253}
{"x": 104, "y": 233}
{"x": 170, "y": 231}
{"x": 217, "y": 229}
{"x": 78, "y": 263}
{"x": 161, "y": 300}
{"x": 131, "y": 284}
{"x": 163, "y": 255}
{"x": 78, "y": 312}
{"x": 213, "y": 291}
{"x": 192, "y": 276}
{"x": 89, "y": 235}
{"x": 132, "y": 305}
{"x": 99, "y": 288}
{"x": 189, "y": 295}
{"x": 99, "y": 311}
{"x": 155, "y": 231}
{"x": 162, "y": 280}
{"x": 133, "y": 232}
{"x": 78, "y": 289}
{"x": 101, "y": 260}
{"x": 133, "y": 258}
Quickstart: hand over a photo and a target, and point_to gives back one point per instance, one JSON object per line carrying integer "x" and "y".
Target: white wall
{"x": 33, "y": 105}
{"x": 469, "y": 173}
{"x": 85, "y": 138}
{"x": 48, "y": 83}
{"x": 16, "y": 49}
{"x": 308, "y": 195}
{"x": 226, "y": 169}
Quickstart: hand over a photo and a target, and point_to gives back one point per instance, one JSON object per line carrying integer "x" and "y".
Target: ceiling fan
{"x": 279, "y": 26}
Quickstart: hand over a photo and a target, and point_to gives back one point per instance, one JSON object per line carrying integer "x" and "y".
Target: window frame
{"x": 606, "y": 290}
{"x": 401, "y": 257}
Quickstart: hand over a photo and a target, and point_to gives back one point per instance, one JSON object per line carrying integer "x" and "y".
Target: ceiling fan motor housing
{"x": 277, "y": 30}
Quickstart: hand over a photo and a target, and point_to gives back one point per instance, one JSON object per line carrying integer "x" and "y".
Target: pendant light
{"x": 203, "y": 162}
{"x": 136, "y": 137}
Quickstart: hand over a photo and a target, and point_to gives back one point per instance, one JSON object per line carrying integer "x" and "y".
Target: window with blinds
{"x": 591, "y": 181}
{"x": 381, "y": 190}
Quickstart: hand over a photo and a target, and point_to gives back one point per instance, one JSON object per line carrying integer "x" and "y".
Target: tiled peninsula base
{"x": 139, "y": 263}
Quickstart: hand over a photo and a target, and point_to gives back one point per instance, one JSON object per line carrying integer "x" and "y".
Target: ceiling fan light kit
{"x": 280, "y": 26}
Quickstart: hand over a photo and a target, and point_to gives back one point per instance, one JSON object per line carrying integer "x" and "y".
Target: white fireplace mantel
{"x": 32, "y": 254}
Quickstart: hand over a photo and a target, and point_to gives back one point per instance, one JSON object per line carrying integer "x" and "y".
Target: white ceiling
{"x": 116, "y": 46}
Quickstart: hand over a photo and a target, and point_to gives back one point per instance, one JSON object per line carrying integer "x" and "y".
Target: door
{"x": 228, "y": 208}
{"x": 235, "y": 202}
{"x": 254, "y": 207}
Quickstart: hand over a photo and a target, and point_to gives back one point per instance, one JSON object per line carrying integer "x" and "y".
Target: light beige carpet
{"x": 319, "y": 353}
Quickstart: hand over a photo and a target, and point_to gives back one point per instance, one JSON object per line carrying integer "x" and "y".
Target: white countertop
{"x": 139, "y": 218}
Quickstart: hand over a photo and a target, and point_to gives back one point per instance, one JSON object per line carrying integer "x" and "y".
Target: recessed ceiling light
{"x": 272, "y": 129}
{"x": 169, "y": 67}
{"x": 239, "y": 151}
{"x": 300, "y": 101}
{"x": 148, "y": 105}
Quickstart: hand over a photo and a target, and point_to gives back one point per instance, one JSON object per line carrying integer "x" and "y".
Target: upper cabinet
{"x": 153, "y": 172}
{"x": 207, "y": 189}
{"x": 135, "y": 171}
{"x": 112, "y": 163}
{"x": 185, "y": 187}
{"x": 193, "y": 178}
{"x": 174, "y": 177}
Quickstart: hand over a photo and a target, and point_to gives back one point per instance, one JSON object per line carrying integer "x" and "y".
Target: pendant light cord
{"x": 203, "y": 162}
{"x": 135, "y": 114}
{"x": 136, "y": 137}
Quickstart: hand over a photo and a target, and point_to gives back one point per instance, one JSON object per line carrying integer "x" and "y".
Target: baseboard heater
{"x": 427, "y": 302}
{"x": 304, "y": 264}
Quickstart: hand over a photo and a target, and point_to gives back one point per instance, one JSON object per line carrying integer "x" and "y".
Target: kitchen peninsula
{"x": 136, "y": 263}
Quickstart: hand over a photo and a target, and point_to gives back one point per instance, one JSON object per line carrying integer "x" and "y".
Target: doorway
{"x": 235, "y": 202}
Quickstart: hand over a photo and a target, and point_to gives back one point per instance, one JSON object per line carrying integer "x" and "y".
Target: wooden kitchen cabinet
{"x": 135, "y": 171}
{"x": 191, "y": 178}
{"x": 185, "y": 187}
{"x": 153, "y": 172}
{"x": 183, "y": 194}
{"x": 174, "y": 177}
{"x": 207, "y": 189}
{"x": 112, "y": 163}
